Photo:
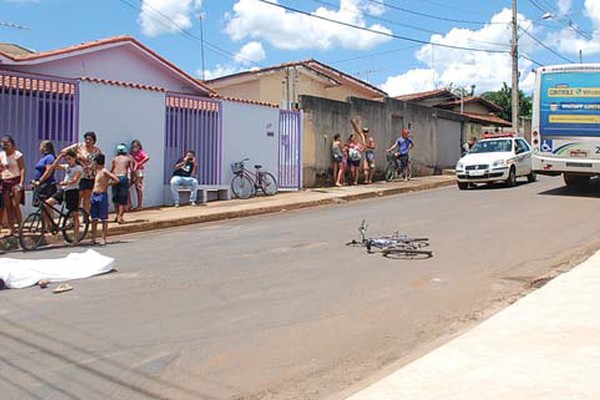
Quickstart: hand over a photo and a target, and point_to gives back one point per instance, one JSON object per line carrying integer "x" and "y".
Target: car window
{"x": 492, "y": 146}
{"x": 524, "y": 145}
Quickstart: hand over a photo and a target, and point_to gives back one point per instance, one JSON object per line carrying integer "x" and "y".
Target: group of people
{"x": 85, "y": 183}
{"x": 360, "y": 150}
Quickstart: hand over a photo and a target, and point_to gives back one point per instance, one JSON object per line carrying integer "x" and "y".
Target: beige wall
{"x": 247, "y": 90}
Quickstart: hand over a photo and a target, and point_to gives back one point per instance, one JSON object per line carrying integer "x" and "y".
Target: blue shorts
{"x": 99, "y": 206}
{"x": 120, "y": 191}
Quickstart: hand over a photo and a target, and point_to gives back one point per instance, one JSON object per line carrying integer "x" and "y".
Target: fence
{"x": 290, "y": 150}
{"x": 35, "y": 108}
{"x": 194, "y": 123}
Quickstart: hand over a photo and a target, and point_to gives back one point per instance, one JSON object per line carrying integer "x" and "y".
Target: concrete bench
{"x": 205, "y": 194}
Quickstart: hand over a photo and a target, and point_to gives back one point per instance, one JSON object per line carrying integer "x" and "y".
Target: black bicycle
{"x": 33, "y": 228}
{"x": 397, "y": 166}
{"x": 397, "y": 246}
{"x": 246, "y": 183}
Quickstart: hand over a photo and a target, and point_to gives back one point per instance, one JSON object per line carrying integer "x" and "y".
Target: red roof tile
{"x": 123, "y": 84}
{"x": 426, "y": 95}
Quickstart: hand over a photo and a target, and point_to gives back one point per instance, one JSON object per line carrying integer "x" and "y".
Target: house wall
{"x": 246, "y": 90}
{"x": 323, "y": 118}
{"x": 120, "y": 114}
{"x": 249, "y": 131}
{"x": 123, "y": 63}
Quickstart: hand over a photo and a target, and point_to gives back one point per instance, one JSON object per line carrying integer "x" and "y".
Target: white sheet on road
{"x": 18, "y": 274}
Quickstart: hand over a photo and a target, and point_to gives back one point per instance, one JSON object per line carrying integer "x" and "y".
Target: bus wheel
{"x": 576, "y": 181}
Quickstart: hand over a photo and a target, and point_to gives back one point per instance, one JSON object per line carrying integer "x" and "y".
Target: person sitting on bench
{"x": 184, "y": 176}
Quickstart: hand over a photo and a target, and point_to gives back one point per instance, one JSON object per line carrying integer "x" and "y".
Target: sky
{"x": 402, "y": 46}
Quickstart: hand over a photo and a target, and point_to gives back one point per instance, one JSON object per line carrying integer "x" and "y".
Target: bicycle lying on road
{"x": 397, "y": 166}
{"x": 396, "y": 246}
{"x": 34, "y": 227}
{"x": 246, "y": 183}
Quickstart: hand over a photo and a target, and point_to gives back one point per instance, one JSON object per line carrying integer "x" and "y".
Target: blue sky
{"x": 244, "y": 34}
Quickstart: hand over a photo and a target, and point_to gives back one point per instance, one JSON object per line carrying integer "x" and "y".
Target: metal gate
{"x": 35, "y": 108}
{"x": 194, "y": 123}
{"x": 290, "y": 150}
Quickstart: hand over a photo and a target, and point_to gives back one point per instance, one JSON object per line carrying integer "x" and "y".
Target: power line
{"x": 567, "y": 22}
{"x": 391, "y": 35}
{"x": 389, "y": 21}
{"x": 451, "y": 7}
{"x": 538, "y": 41}
{"x": 406, "y": 10}
{"x": 373, "y": 54}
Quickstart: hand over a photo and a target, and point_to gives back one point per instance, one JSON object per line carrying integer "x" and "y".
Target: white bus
{"x": 566, "y": 122}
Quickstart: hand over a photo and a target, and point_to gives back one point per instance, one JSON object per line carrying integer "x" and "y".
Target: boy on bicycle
{"x": 403, "y": 146}
{"x": 99, "y": 203}
{"x": 69, "y": 188}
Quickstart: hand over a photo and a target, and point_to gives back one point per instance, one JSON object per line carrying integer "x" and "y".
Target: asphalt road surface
{"x": 275, "y": 307}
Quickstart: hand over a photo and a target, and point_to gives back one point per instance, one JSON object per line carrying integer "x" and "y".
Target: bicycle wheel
{"x": 390, "y": 172}
{"x": 242, "y": 187}
{"x": 31, "y": 231}
{"x": 399, "y": 253}
{"x": 268, "y": 183}
{"x": 68, "y": 226}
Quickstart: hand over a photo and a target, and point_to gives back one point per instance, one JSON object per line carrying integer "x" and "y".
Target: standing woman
{"x": 44, "y": 173}
{"x": 140, "y": 158}
{"x": 369, "y": 156}
{"x": 86, "y": 156}
{"x": 12, "y": 170}
{"x": 337, "y": 152}
{"x": 354, "y": 157}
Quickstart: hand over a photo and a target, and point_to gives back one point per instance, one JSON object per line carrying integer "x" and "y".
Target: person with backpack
{"x": 355, "y": 150}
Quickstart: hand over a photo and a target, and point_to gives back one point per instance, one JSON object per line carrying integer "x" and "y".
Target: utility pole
{"x": 515, "y": 70}
{"x": 202, "y": 15}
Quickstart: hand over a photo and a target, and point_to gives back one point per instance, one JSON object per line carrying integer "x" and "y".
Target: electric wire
{"x": 391, "y": 35}
{"x": 538, "y": 41}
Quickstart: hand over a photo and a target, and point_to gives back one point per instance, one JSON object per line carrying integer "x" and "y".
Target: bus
{"x": 566, "y": 122}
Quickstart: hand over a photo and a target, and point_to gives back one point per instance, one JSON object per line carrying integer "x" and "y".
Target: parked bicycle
{"x": 246, "y": 183}
{"x": 397, "y": 166}
{"x": 396, "y": 246}
{"x": 33, "y": 228}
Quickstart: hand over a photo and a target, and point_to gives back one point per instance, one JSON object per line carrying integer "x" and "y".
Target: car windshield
{"x": 492, "y": 146}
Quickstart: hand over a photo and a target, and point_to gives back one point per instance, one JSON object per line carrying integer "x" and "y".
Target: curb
{"x": 177, "y": 222}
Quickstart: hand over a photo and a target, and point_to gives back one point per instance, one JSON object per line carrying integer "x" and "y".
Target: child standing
{"x": 69, "y": 188}
{"x": 122, "y": 165}
{"x": 99, "y": 204}
{"x": 141, "y": 158}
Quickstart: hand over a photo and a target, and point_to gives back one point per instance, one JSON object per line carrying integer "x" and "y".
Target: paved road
{"x": 275, "y": 307}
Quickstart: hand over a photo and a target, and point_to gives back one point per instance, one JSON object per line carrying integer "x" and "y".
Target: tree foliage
{"x": 503, "y": 98}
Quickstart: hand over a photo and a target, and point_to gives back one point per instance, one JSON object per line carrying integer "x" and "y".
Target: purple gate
{"x": 194, "y": 123}
{"x": 35, "y": 108}
{"x": 290, "y": 150}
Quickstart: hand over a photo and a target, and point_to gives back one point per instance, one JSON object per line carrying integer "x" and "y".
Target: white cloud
{"x": 564, "y": 6}
{"x": 250, "y": 53}
{"x": 292, "y": 31}
{"x": 159, "y": 17}
{"x": 462, "y": 67}
{"x": 219, "y": 71}
{"x": 569, "y": 41}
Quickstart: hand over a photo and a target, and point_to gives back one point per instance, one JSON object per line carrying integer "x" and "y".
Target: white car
{"x": 495, "y": 159}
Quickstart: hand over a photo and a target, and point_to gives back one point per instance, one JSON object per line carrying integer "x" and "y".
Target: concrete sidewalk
{"x": 166, "y": 217}
{"x": 544, "y": 346}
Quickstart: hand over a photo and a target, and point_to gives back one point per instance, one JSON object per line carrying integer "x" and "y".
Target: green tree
{"x": 503, "y": 98}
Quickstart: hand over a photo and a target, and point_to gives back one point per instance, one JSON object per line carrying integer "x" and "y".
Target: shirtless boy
{"x": 99, "y": 204}
{"x": 122, "y": 166}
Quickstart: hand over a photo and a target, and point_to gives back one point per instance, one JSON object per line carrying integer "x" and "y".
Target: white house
{"x": 123, "y": 90}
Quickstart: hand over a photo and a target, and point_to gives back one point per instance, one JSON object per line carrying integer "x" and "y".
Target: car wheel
{"x": 512, "y": 178}
{"x": 462, "y": 185}
{"x": 532, "y": 177}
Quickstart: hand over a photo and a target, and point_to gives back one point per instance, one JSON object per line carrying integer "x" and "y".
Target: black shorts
{"x": 86, "y": 184}
{"x": 70, "y": 197}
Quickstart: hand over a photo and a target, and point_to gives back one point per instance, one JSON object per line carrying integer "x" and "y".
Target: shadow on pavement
{"x": 592, "y": 191}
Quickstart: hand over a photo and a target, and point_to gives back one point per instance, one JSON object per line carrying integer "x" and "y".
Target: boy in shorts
{"x": 69, "y": 188}
{"x": 99, "y": 204}
{"x": 122, "y": 165}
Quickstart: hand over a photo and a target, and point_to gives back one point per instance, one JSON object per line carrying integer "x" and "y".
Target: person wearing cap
{"x": 121, "y": 166}
{"x": 369, "y": 156}
{"x": 402, "y": 148}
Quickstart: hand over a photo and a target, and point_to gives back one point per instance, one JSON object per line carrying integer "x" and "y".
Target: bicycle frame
{"x": 255, "y": 177}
